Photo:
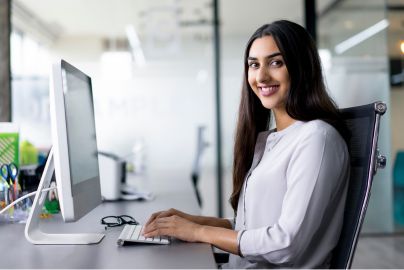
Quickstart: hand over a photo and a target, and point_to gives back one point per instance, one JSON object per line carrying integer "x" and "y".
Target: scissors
{"x": 9, "y": 172}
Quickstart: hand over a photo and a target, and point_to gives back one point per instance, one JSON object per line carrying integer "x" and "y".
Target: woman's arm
{"x": 212, "y": 221}
{"x": 201, "y": 220}
{"x": 190, "y": 231}
{"x": 225, "y": 239}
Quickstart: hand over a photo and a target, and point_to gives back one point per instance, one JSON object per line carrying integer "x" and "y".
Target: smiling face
{"x": 268, "y": 76}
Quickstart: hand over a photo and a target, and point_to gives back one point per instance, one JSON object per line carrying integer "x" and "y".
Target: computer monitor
{"x": 73, "y": 157}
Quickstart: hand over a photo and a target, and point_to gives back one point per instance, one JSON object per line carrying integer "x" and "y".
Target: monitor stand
{"x": 32, "y": 231}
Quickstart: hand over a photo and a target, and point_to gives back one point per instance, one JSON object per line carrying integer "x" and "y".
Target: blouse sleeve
{"x": 316, "y": 173}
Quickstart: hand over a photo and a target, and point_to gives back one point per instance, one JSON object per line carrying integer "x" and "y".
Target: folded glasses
{"x": 115, "y": 221}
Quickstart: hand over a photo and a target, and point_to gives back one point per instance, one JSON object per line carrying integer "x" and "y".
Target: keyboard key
{"x": 136, "y": 232}
{"x": 133, "y": 233}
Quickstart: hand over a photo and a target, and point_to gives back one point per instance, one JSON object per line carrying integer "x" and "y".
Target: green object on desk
{"x": 29, "y": 153}
{"x": 52, "y": 207}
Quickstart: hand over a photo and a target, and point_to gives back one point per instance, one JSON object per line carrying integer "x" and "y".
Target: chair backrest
{"x": 363, "y": 125}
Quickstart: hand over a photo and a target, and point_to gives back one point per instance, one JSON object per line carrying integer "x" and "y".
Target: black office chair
{"x": 201, "y": 144}
{"x": 363, "y": 124}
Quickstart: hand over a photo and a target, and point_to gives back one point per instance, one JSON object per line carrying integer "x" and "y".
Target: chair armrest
{"x": 221, "y": 257}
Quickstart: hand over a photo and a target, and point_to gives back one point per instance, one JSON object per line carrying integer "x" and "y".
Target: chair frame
{"x": 376, "y": 161}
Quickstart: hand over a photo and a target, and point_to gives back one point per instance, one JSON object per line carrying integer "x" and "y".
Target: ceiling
{"x": 108, "y": 18}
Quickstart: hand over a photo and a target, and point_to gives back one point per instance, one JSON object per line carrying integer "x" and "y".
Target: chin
{"x": 268, "y": 105}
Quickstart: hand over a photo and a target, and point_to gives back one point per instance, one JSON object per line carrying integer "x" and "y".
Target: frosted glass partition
{"x": 147, "y": 111}
{"x": 357, "y": 74}
{"x": 30, "y": 109}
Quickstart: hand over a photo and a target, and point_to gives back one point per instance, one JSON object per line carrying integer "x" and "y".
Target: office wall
{"x": 5, "y": 61}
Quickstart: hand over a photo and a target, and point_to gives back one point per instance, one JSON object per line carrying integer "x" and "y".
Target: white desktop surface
{"x": 17, "y": 252}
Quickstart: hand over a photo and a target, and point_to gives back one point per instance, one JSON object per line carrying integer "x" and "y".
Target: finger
{"x": 152, "y": 233}
{"x": 152, "y": 218}
{"x": 166, "y": 213}
{"x": 158, "y": 215}
{"x": 162, "y": 229}
{"x": 166, "y": 219}
{"x": 160, "y": 223}
{"x": 149, "y": 226}
{"x": 155, "y": 224}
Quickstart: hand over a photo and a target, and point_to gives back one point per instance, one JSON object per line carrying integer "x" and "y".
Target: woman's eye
{"x": 253, "y": 65}
{"x": 276, "y": 63}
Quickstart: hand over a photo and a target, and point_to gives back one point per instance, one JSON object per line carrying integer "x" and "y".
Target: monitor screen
{"x": 80, "y": 126}
{"x": 74, "y": 141}
{"x": 73, "y": 156}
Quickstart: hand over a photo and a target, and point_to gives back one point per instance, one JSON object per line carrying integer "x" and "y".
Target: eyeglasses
{"x": 115, "y": 221}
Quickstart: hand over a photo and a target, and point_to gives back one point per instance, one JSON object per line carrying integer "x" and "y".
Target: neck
{"x": 282, "y": 119}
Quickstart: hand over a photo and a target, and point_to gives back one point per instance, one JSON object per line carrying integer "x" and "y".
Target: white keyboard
{"x": 132, "y": 234}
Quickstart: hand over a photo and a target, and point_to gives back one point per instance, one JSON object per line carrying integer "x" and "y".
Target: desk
{"x": 107, "y": 254}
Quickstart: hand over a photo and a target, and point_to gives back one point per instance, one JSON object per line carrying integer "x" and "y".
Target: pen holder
{"x": 19, "y": 212}
{"x": 4, "y": 201}
{"x": 3, "y": 196}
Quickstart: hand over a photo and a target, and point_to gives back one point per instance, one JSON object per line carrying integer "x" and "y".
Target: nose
{"x": 262, "y": 75}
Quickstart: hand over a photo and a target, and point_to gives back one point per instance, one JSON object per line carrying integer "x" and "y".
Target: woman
{"x": 290, "y": 183}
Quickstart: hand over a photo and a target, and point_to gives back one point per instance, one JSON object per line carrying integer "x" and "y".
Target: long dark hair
{"x": 307, "y": 99}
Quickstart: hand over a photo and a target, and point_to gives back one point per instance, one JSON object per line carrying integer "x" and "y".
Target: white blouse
{"x": 291, "y": 206}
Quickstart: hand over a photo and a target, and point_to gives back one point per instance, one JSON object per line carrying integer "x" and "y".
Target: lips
{"x": 268, "y": 90}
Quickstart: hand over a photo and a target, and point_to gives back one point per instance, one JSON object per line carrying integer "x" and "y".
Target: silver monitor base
{"x": 32, "y": 231}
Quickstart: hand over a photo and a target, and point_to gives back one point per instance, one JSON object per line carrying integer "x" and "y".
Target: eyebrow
{"x": 268, "y": 57}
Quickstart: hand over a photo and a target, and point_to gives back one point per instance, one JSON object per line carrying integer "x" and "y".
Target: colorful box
{"x": 9, "y": 143}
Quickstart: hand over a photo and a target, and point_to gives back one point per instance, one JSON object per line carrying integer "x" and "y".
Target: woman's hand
{"x": 191, "y": 228}
{"x": 168, "y": 224}
{"x": 167, "y": 213}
